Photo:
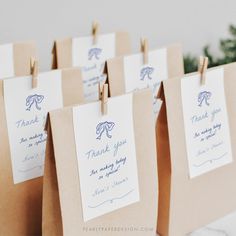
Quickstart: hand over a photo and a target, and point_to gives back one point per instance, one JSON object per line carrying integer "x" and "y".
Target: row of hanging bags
{"x": 74, "y": 200}
{"x": 26, "y": 98}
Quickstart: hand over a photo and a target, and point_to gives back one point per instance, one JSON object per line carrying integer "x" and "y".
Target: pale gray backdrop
{"x": 192, "y": 23}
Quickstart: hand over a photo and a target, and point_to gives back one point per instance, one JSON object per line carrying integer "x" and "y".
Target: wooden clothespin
{"x": 103, "y": 96}
{"x": 100, "y": 91}
{"x": 95, "y": 29}
{"x": 34, "y": 71}
{"x": 144, "y": 50}
{"x": 202, "y": 68}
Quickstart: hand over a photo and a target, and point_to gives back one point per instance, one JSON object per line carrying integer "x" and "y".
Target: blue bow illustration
{"x": 104, "y": 127}
{"x": 204, "y": 97}
{"x": 146, "y": 72}
{"x": 94, "y": 52}
{"x": 34, "y": 99}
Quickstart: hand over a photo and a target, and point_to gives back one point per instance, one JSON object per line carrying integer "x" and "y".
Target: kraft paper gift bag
{"x": 196, "y": 150}
{"x": 23, "y": 110}
{"x": 90, "y": 53}
{"x": 100, "y": 175}
{"x": 145, "y": 69}
{"x": 15, "y": 59}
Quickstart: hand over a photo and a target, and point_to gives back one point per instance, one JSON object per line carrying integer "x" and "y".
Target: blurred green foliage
{"x": 227, "y": 47}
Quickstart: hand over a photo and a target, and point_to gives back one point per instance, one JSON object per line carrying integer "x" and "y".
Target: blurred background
{"x": 192, "y": 23}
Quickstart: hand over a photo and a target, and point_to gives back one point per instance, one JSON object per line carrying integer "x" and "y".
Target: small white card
{"x": 6, "y": 61}
{"x": 139, "y": 76}
{"x": 92, "y": 60}
{"x": 106, "y": 156}
{"x": 26, "y": 111}
{"x": 206, "y": 123}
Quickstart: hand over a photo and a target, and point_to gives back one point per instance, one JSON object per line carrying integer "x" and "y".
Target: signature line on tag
{"x": 112, "y": 200}
{"x": 211, "y": 160}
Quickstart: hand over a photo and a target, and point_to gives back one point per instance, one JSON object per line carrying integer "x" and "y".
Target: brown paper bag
{"x": 18, "y": 56}
{"x": 21, "y": 204}
{"x": 62, "y": 206}
{"x": 62, "y": 50}
{"x": 90, "y": 53}
{"x": 185, "y": 203}
{"x": 116, "y": 73}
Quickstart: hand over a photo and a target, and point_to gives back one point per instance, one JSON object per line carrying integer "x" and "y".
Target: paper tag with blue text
{"x": 26, "y": 111}
{"x": 106, "y": 156}
{"x": 140, "y": 76}
{"x": 206, "y": 123}
{"x": 91, "y": 58}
